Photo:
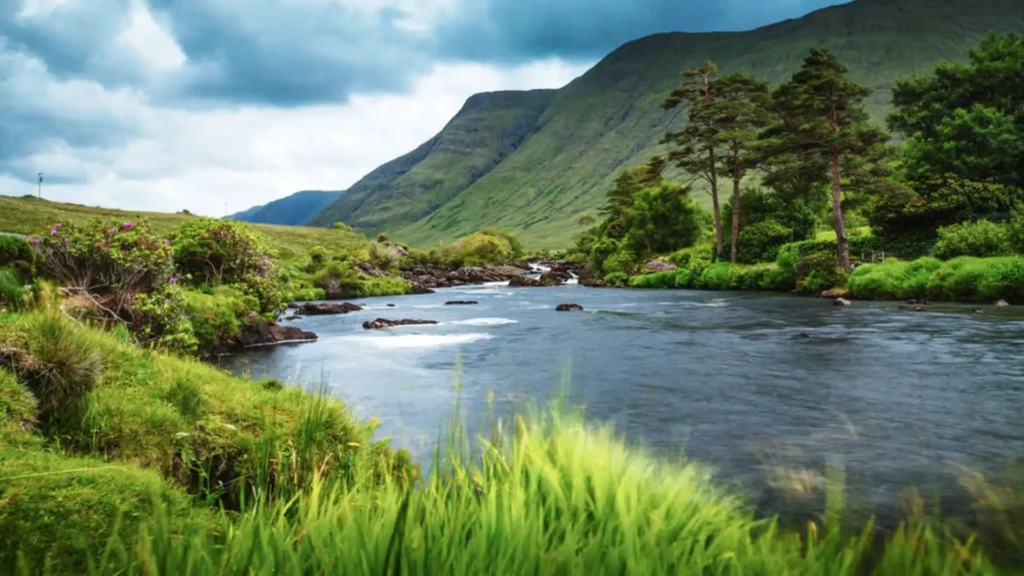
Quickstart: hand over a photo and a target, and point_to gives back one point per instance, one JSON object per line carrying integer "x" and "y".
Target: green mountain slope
{"x": 293, "y": 210}
{"x": 610, "y": 118}
{"x": 489, "y": 127}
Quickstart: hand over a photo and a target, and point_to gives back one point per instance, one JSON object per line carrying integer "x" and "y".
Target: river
{"x": 738, "y": 380}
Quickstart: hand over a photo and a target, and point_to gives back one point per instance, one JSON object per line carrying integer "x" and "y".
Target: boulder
{"x": 554, "y": 277}
{"x": 460, "y": 302}
{"x": 293, "y": 305}
{"x": 660, "y": 266}
{"x": 1002, "y": 304}
{"x": 327, "y": 308}
{"x": 842, "y": 302}
{"x": 381, "y": 323}
{"x": 420, "y": 289}
{"x": 270, "y": 334}
{"x": 569, "y": 308}
{"x": 390, "y": 305}
{"x": 524, "y": 282}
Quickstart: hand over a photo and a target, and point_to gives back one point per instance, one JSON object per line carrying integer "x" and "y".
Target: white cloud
{"x": 202, "y": 159}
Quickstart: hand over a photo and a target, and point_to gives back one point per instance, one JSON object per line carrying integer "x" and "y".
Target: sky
{"x": 218, "y": 105}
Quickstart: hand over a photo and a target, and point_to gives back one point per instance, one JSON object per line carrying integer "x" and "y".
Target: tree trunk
{"x": 842, "y": 242}
{"x": 735, "y": 216}
{"x": 719, "y": 243}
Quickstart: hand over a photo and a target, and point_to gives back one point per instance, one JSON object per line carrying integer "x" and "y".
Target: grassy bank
{"x": 964, "y": 279}
{"x": 119, "y": 460}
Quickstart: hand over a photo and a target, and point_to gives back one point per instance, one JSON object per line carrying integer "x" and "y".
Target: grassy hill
{"x": 489, "y": 127}
{"x": 293, "y": 210}
{"x": 29, "y": 215}
{"x": 610, "y": 118}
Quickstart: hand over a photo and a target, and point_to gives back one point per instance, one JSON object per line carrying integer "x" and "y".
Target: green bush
{"x": 481, "y": 249}
{"x": 214, "y": 252}
{"x": 892, "y": 280}
{"x": 17, "y": 253}
{"x": 819, "y": 271}
{"x": 760, "y": 242}
{"x": 981, "y": 238}
{"x": 384, "y": 256}
{"x": 218, "y": 318}
{"x": 970, "y": 279}
{"x": 1015, "y": 230}
{"x": 18, "y": 407}
{"x": 722, "y": 276}
{"x": 13, "y": 294}
{"x": 338, "y": 281}
{"x": 656, "y": 280}
{"x": 387, "y": 286}
{"x": 617, "y": 279}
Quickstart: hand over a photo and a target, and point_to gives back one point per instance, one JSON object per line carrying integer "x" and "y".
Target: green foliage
{"x": 656, "y": 280}
{"x": 617, "y": 279}
{"x": 215, "y": 252}
{"x": 760, "y": 242}
{"x": 218, "y": 318}
{"x": 969, "y": 279}
{"x": 384, "y": 256}
{"x": 1015, "y": 230}
{"x": 980, "y": 238}
{"x": 819, "y": 271}
{"x": 17, "y": 253}
{"x": 481, "y": 249}
{"x": 893, "y": 279}
{"x": 161, "y": 319}
{"x": 317, "y": 258}
{"x": 338, "y": 281}
{"x": 387, "y": 286}
{"x": 18, "y": 407}
{"x": 13, "y": 294}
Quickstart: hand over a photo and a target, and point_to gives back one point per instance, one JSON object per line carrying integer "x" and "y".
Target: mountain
{"x": 557, "y": 166}
{"x": 489, "y": 127}
{"x": 293, "y": 210}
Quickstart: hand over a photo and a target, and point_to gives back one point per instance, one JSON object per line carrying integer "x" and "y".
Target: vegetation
{"x": 567, "y": 155}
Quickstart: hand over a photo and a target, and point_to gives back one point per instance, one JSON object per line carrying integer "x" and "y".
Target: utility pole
{"x": 40, "y": 193}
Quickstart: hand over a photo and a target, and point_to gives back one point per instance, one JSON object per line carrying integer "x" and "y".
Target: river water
{"x": 737, "y": 380}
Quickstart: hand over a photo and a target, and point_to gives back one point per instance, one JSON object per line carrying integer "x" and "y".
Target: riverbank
{"x": 142, "y": 452}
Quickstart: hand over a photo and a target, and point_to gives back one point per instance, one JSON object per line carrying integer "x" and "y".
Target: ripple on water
{"x": 486, "y": 322}
{"x": 391, "y": 342}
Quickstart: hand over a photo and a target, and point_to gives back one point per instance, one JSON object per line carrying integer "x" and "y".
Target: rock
{"x": 269, "y": 334}
{"x": 835, "y": 293}
{"x": 842, "y": 302}
{"x": 920, "y": 308}
{"x": 1002, "y": 304}
{"x": 391, "y": 305}
{"x": 977, "y": 311}
{"x": 524, "y": 282}
{"x": 291, "y": 318}
{"x": 293, "y": 305}
{"x": 660, "y": 266}
{"x": 421, "y": 289}
{"x": 554, "y": 277}
{"x": 460, "y": 302}
{"x": 569, "y": 308}
{"x": 327, "y": 308}
{"x": 381, "y": 323}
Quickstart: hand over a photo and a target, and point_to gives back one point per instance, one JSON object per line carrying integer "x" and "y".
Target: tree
{"x": 966, "y": 120}
{"x": 740, "y": 112}
{"x": 822, "y": 121}
{"x": 696, "y": 145}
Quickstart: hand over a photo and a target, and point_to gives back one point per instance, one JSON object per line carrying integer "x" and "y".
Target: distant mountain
{"x": 534, "y": 162}
{"x": 294, "y": 210}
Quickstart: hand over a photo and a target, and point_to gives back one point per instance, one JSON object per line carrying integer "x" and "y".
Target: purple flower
{"x": 167, "y": 242}
{"x": 128, "y": 225}
{"x": 172, "y": 280}
{"x": 53, "y": 232}
{"x": 33, "y": 240}
{"x": 57, "y": 226}
{"x": 166, "y": 302}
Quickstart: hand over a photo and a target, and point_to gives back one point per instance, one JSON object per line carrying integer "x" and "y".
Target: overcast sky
{"x": 201, "y": 104}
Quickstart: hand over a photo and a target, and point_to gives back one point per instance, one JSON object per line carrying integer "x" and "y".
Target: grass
{"x": 30, "y": 216}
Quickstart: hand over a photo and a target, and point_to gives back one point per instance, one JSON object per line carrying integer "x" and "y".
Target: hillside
{"x": 489, "y": 127}
{"x": 29, "y": 215}
{"x": 610, "y": 118}
{"x": 293, "y": 210}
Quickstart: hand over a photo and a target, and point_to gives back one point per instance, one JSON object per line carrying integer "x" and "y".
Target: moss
{"x": 57, "y": 510}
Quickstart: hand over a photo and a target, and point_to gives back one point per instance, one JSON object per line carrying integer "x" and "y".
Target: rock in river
{"x": 1002, "y": 304}
{"x": 380, "y": 323}
{"x": 325, "y": 308}
{"x": 569, "y": 308}
{"x": 842, "y": 302}
{"x": 269, "y": 334}
{"x": 460, "y": 302}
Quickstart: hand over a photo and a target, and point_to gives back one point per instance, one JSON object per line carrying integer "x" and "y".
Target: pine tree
{"x": 741, "y": 111}
{"x": 822, "y": 120}
{"x": 696, "y": 145}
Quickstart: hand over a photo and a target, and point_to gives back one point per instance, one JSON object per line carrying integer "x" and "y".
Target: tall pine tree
{"x": 821, "y": 120}
{"x": 740, "y": 112}
{"x": 696, "y": 145}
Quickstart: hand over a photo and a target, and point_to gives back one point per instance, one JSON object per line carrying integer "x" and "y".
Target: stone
{"x": 460, "y": 303}
{"x": 327, "y": 308}
{"x": 660, "y": 266}
{"x": 842, "y": 302}
{"x": 1002, "y": 304}
{"x": 420, "y": 289}
{"x": 390, "y": 305}
{"x": 569, "y": 308}
{"x": 524, "y": 282}
{"x": 381, "y": 323}
{"x": 270, "y": 334}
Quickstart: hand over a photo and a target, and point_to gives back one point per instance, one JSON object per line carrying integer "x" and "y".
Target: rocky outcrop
{"x": 381, "y": 323}
{"x": 327, "y": 308}
{"x": 569, "y": 308}
{"x": 659, "y": 266}
{"x": 525, "y": 282}
{"x": 428, "y": 278}
{"x": 270, "y": 334}
{"x": 460, "y": 303}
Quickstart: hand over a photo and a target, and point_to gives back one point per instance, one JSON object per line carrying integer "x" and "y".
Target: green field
{"x": 610, "y": 119}
{"x": 27, "y": 215}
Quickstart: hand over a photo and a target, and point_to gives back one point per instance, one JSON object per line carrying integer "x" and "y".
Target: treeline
{"x": 944, "y": 179}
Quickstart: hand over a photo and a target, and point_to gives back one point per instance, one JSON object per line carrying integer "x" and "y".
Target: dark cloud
{"x": 511, "y": 30}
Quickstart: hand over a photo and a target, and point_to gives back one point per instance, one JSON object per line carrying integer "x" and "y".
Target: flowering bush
{"x": 117, "y": 261}
{"x": 217, "y": 252}
{"x": 159, "y": 319}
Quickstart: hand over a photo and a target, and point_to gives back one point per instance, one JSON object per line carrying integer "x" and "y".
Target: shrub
{"x": 481, "y": 249}
{"x": 17, "y": 253}
{"x": 981, "y": 238}
{"x": 617, "y": 279}
{"x": 722, "y": 276}
{"x": 819, "y": 271}
{"x": 58, "y": 362}
{"x": 13, "y": 294}
{"x": 116, "y": 261}
{"x": 1015, "y": 230}
{"x": 892, "y": 280}
{"x": 160, "y": 319}
{"x": 760, "y": 242}
{"x": 622, "y": 262}
{"x": 18, "y": 407}
{"x": 515, "y": 246}
{"x": 217, "y": 319}
{"x": 656, "y": 280}
{"x": 338, "y": 281}
{"x": 388, "y": 286}
{"x": 272, "y": 384}
{"x": 342, "y": 226}
{"x": 317, "y": 259}
{"x": 383, "y": 256}
{"x": 970, "y": 279}
{"x": 211, "y": 251}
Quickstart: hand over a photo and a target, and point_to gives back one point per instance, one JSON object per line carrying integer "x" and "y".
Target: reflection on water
{"x": 742, "y": 381}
